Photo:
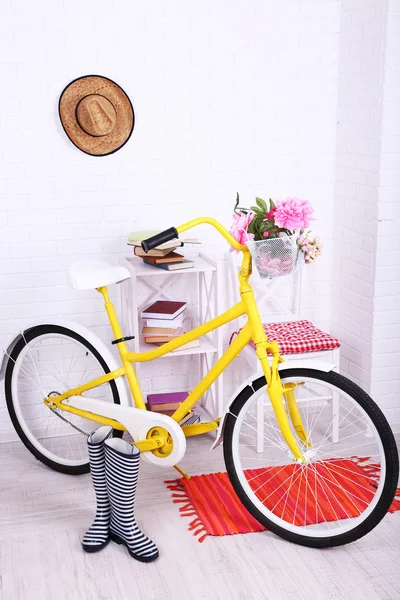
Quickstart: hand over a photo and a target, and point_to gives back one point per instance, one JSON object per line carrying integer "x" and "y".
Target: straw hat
{"x": 96, "y": 114}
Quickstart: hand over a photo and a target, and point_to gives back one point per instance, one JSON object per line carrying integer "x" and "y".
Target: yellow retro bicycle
{"x": 307, "y": 451}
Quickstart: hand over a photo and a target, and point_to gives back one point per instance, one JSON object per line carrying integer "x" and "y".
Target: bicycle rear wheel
{"x": 349, "y": 479}
{"x": 45, "y": 362}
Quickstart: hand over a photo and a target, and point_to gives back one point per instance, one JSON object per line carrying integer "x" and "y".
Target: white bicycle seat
{"x": 91, "y": 274}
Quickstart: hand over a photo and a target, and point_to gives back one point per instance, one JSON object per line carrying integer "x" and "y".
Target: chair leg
{"x": 335, "y": 417}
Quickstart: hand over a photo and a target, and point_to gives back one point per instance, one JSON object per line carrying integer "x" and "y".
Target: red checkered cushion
{"x": 295, "y": 337}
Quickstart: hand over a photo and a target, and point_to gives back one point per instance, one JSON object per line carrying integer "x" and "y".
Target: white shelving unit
{"x": 204, "y": 276}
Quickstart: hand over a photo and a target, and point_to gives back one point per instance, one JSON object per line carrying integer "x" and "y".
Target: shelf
{"x": 205, "y": 347}
{"x": 201, "y": 265}
{"x": 203, "y": 304}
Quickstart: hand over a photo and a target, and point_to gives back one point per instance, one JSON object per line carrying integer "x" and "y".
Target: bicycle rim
{"x": 46, "y": 366}
{"x": 343, "y": 479}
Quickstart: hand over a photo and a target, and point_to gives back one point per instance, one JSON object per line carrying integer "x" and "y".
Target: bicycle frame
{"x": 253, "y": 329}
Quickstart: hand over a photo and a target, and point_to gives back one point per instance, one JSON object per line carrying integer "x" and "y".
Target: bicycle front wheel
{"x": 47, "y": 361}
{"x": 349, "y": 479}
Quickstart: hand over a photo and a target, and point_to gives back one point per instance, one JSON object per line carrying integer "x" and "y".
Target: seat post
{"x": 122, "y": 349}
{"x": 112, "y": 315}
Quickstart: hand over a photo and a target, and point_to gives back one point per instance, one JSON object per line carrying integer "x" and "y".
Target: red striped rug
{"x": 216, "y": 509}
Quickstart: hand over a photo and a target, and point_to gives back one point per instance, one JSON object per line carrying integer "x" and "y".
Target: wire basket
{"x": 276, "y": 257}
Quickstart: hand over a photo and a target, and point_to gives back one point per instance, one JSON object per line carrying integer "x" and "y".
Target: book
{"x": 166, "y": 400}
{"x": 187, "y": 417}
{"x": 184, "y": 264}
{"x": 153, "y": 337}
{"x": 169, "y": 413}
{"x": 159, "y": 339}
{"x": 138, "y": 251}
{"x": 170, "y": 406}
{"x": 172, "y": 257}
{"x": 149, "y": 331}
{"x": 136, "y": 236}
{"x": 139, "y": 236}
{"x": 164, "y": 309}
{"x": 168, "y": 323}
{"x": 190, "y": 421}
{"x": 166, "y": 397}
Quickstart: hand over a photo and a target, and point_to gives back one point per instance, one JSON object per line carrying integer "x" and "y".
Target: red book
{"x": 164, "y": 309}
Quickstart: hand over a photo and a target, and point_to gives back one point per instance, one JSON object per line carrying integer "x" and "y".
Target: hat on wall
{"x": 96, "y": 114}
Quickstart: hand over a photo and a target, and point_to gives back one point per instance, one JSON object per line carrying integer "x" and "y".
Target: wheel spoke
{"x": 322, "y": 484}
{"x": 32, "y": 360}
{"x": 278, "y": 445}
{"x": 48, "y": 364}
{"x": 324, "y": 497}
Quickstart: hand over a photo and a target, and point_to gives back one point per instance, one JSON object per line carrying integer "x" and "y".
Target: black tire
{"x": 30, "y": 335}
{"x": 386, "y": 437}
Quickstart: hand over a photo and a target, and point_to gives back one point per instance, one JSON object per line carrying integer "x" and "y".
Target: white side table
{"x": 203, "y": 281}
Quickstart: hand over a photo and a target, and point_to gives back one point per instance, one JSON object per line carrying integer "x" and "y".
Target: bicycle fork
{"x": 284, "y": 403}
{"x": 282, "y": 397}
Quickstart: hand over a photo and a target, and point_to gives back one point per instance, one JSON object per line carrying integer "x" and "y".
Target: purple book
{"x": 167, "y": 398}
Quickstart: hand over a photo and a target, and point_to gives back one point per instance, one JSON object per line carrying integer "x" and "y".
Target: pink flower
{"x": 265, "y": 234}
{"x": 293, "y": 213}
{"x": 274, "y": 266}
{"x": 271, "y": 214}
{"x": 301, "y": 239}
{"x": 311, "y": 246}
{"x": 239, "y": 227}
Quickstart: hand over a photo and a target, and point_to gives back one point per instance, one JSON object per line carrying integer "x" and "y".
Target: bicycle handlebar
{"x": 159, "y": 238}
{"x": 172, "y": 233}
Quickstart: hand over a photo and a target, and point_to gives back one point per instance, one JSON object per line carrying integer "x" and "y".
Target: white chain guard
{"x": 137, "y": 422}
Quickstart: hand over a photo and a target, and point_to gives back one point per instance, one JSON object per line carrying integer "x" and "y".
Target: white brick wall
{"x": 362, "y": 26}
{"x": 385, "y": 384}
{"x": 366, "y": 289}
{"x": 228, "y": 96}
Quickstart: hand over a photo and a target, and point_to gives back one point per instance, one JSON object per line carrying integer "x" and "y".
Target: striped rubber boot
{"x": 98, "y": 534}
{"x": 122, "y": 470}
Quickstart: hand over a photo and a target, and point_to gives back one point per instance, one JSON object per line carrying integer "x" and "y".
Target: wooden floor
{"x": 44, "y": 515}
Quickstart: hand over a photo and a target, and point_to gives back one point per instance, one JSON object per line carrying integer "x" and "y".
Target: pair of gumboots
{"x": 114, "y": 466}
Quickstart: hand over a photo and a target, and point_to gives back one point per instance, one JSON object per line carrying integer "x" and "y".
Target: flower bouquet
{"x": 276, "y": 234}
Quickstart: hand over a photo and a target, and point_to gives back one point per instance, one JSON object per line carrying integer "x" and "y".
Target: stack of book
{"x": 163, "y": 321}
{"x": 167, "y": 403}
{"x": 164, "y": 256}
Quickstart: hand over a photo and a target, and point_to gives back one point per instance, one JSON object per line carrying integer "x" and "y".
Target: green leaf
{"x": 250, "y": 227}
{"x": 262, "y": 204}
{"x": 271, "y": 204}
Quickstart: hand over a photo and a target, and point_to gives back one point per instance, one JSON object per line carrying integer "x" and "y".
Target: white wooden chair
{"x": 298, "y": 339}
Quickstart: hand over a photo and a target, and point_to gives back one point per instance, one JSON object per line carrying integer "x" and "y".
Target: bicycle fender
{"x": 303, "y": 364}
{"x": 86, "y": 333}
